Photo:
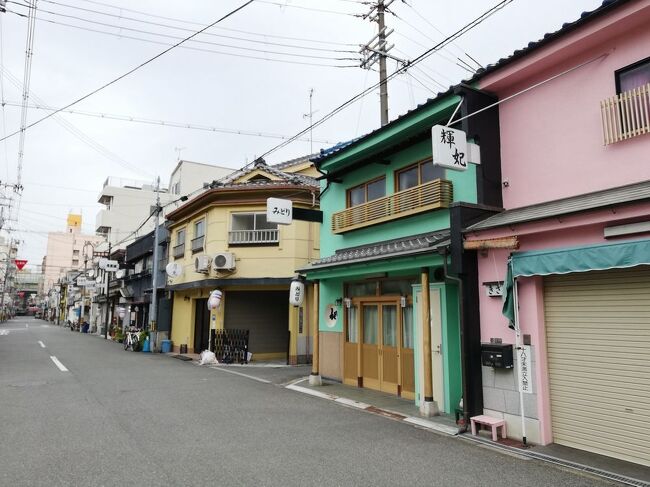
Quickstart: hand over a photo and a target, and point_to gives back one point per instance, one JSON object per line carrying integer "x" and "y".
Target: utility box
{"x": 497, "y": 355}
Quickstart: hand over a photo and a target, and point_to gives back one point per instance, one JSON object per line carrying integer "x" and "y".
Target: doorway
{"x": 201, "y": 325}
{"x": 378, "y": 349}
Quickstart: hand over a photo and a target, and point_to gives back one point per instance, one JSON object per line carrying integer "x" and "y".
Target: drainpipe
{"x": 461, "y": 320}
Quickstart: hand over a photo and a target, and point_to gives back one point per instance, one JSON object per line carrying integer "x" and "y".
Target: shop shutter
{"x": 265, "y": 314}
{"x": 598, "y": 343}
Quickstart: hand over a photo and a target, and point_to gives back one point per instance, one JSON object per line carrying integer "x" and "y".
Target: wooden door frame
{"x": 359, "y": 301}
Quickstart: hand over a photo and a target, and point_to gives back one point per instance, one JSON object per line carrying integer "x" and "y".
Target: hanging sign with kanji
{"x": 20, "y": 263}
{"x": 449, "y": 147}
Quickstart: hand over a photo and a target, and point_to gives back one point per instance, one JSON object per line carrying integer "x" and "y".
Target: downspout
{"x": 461, "y": 322}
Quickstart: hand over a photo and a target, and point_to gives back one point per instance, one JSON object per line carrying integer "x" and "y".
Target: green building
{"x": 392, "y": 228}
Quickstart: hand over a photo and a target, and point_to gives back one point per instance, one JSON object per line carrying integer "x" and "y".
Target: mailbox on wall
{"x": 497, "y": 355}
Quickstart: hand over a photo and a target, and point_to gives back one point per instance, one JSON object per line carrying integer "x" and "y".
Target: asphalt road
{"x": 122, "y": 418}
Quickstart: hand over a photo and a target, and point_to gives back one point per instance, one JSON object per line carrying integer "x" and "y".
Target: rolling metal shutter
{"x": 598, "y": 341}
{"x": 265, "y": 314}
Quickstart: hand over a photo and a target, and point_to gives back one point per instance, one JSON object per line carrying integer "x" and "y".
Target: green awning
{"x": 600, "y": 257}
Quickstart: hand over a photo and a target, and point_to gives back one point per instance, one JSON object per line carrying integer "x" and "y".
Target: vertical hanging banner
{"x": 20, "y": 263}
{"x": 449, "y": 147}
{"x": 525, "y": 369}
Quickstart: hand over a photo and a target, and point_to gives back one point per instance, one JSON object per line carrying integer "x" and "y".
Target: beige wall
{"x": 298, "y": 245}
{"x": 60, "y": 254}
{"x": 331, "y": 358}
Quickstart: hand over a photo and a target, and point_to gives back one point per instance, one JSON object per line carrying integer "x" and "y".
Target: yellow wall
{"x": 183, "y": 314}
{"x": 299, "y": 244}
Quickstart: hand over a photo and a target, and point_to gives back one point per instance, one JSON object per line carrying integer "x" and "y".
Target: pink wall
{"x": 567, "y": 231}
{"x": 552, "y": 135}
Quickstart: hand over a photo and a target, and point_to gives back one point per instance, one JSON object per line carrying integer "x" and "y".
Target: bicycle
{"x": 131, "y": 340}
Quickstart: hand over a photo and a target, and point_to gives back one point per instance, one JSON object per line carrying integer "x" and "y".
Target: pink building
{"x": 575, "y": 163}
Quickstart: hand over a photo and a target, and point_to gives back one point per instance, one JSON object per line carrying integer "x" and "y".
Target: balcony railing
{"x": 178, "y": 251}
{"x": 425, "y": 197}
{"x": 626, "y": 115}
{"x": 253, "y": 237}
{"x": 197, "y": 243}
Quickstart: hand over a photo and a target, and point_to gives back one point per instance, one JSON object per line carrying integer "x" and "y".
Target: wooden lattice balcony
{"x": 418, "y": 199}
{"x": 626, "y": 115}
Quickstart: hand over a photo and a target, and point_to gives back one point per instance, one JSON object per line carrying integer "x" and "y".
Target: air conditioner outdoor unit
{"x": 224, "y": 260}
{"x": 202, "y": 264}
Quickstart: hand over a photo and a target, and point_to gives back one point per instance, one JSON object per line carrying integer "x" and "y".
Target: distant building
{"x": 66, "y": 251}
{"x": 189, "y": 176}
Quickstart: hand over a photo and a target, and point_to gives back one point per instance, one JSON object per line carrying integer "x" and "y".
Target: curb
{"x": 413, "y": 420}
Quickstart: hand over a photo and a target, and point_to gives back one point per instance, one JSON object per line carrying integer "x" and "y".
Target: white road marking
{"x": 311, "y": 392}
{"x": 4, "y": 332}
{"x": 41, "y": 344}
{"x": 352, "y": 403}
{"x": 243, "y": 375}
{"x": 56, "y": 361}
{"x": 26, "y": 326}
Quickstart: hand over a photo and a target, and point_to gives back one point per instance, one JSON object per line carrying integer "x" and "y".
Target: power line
{"x": 82, "y": 136}
{"x": 199, "y": 49}
{"x": 169, "y": 26}
{"x": 269, "y": 2}
{"x": 463, "y": 30}
{"x": 164, "y": 123}
{"x": 131, "y": 71}
{"x": 189, "y": 22}
{"x": 168, "y": 36}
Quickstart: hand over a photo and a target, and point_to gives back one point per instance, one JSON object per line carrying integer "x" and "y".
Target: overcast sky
{"x": 234, "y": 78}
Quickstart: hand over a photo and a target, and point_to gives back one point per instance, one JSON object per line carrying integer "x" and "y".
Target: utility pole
{"x": 153, "y": 306}
{"x": 106, "y": 278}
{"x": 376, "y": 50}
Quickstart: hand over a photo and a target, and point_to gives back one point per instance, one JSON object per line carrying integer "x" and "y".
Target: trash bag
{"x": 207, "y": 358}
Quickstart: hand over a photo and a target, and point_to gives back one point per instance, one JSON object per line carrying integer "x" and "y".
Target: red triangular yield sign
{"x": 20, "y": 263}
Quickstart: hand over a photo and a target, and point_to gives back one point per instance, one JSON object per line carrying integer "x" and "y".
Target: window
{"x": 180, "y": 237}
{"x": 252, "y": 228}
{"x": 179, "y": 249}
{"x": 75, "y": 253}
{"x": 199, "y": 229}
{"x": 199, "y": 236}
{"x": 633, "y": 76}
{"x": 419, "y": 173}
{"x": 365, "y": 192}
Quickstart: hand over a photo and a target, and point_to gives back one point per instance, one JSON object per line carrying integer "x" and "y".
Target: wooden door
{"x": 370, "y": 345}
{"x": 389, "y": 348}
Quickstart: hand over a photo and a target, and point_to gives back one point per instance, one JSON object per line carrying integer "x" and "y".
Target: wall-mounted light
{"x": 186, "y": 298}
{"x": 339, "y": 302}
{"x": 347, "y": 302}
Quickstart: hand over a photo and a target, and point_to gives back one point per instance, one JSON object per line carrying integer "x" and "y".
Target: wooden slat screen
{"x": 428, "y": 196}
{"x": 626, "y": 115}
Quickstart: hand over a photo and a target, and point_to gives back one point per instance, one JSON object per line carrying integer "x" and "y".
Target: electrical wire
{"x": 189, "y": 22}
{"x": 460, "y": 32}
{"x": 165, "y": 123}
{"x": 199, "y": 49}
{"x": 168, "y": 36}
{"x": 269, "y": 2}
{"x": 131, "y": 71}
{"x": 2, "y": 97}
{"x": 169, "y": 26}
{"x": 82, "y": 136}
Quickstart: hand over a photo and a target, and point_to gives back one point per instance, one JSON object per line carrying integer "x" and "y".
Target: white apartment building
{"x": 129, "y": 202}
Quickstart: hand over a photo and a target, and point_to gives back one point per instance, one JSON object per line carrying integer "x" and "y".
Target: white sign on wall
{"x": 331, "y": 315}
{"x": 525, "y": 368}
{"x": 279, "y": 211}
{"x": 449, "y": 147}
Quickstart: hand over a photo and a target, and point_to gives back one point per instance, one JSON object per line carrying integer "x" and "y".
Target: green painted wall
{"x": 452, "y": 368}
{"x": 334, "y": 199}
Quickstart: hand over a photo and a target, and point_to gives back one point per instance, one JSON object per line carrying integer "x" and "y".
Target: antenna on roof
{"x": 178, "y": 152}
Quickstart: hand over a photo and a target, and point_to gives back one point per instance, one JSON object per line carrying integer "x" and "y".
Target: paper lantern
{"x": 215, "y": 299}
{"x": 297, "y": 292}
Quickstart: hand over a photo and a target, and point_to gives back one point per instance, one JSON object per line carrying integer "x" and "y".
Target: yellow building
{"x": 222, "y": 240}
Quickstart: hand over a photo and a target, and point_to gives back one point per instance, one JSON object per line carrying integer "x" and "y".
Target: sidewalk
{"x": 376, "y": 402}
{"x": 400, "y": 409}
